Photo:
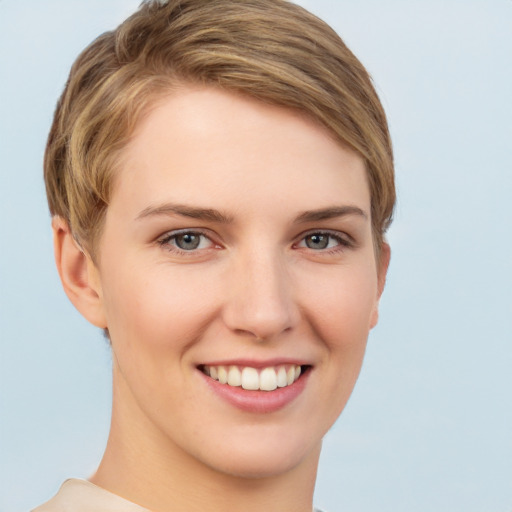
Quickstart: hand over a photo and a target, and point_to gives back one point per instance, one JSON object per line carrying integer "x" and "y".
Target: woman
{"x": 220, "y": 178}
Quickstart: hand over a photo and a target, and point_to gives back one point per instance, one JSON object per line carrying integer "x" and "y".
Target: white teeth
{"x": 266, "y": 379}
{"x": 282, "y": 381}
{"x": 250, "y": 378}
{"x": 234, "y": 376}
{"x": 223, "y": 375}
{"x": 290, "y": 375}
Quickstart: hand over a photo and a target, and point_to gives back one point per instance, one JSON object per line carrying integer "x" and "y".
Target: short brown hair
{"x": 271, "y": 50}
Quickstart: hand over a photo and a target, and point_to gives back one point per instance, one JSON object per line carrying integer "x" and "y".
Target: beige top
{"x": 83, "y": 496}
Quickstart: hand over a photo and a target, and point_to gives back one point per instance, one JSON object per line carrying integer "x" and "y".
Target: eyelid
{"x": 344, "y": 239}
{"x": 164, "y": 240}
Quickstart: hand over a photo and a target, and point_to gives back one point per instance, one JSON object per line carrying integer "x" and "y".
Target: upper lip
{"x": 278, "y": 361}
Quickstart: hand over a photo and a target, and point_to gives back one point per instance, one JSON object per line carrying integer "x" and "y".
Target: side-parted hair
{"x": 270, "y": 50}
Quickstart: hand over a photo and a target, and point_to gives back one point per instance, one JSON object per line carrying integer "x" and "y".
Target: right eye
{"x": 186, "y": 241}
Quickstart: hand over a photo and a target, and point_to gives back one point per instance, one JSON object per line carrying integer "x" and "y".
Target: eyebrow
{"x": 330, "y": 213}
{"x": 192, "y": 212}
{"x": 212, "y": 215}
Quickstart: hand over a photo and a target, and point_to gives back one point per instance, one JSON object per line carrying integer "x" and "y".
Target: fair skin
{"x": 238, "y": 235}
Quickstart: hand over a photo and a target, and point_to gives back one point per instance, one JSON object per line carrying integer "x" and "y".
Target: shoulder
{"x": 82, "y": 496}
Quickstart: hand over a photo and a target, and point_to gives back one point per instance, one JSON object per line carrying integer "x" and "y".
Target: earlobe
{"x": 382, "y": 267}
{"x": 78, "y": 274}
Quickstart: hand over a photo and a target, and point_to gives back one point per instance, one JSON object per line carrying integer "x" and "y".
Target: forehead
{"x": 203, "y": 144}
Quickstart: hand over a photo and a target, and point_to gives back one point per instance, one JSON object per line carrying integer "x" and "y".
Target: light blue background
{"x": 429, "y": 427}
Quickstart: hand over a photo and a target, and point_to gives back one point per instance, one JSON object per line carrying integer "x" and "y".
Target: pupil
{"x": 188, "y": 241}
{"x": 317, "y": 241}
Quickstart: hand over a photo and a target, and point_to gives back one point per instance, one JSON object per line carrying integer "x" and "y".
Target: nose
{"x": 261, "y": 301}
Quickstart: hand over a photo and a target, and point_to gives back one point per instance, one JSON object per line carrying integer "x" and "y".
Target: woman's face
{"x": 237, "y": 246}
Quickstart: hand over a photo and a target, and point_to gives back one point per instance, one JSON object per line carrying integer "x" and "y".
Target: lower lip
{"x": 258, "y": 401}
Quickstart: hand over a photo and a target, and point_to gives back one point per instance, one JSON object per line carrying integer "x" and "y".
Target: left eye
{"x": 188, "y": 241}
{"x": 320, "y": 241}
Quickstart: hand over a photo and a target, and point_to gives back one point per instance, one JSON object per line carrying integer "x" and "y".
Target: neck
{"x": 142, "y": 465}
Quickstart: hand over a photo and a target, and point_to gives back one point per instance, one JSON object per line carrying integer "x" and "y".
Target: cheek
{"x": 157, "y": 310}
{"x": 343, "y": 315}
{"x": 339, "y": 309}
{"x": 152, "y": 321}
{"x": 342, "y": 305}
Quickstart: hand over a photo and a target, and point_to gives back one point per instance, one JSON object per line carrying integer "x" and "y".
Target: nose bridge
{"x": 261, "y": 302}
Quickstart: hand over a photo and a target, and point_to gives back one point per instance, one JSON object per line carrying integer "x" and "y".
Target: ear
{"x": 78, "y": 274}
{"x": 382, "y": 270}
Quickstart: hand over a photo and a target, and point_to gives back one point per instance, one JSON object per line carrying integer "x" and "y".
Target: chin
{"x": 257, "y": 469}
{"x": 270, "y": 457}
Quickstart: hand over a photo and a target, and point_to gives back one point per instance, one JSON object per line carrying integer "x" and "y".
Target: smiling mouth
{"x": 255, "y": 379}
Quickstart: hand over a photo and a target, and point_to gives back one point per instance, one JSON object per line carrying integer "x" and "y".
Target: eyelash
{"x": 342, "y": 242}
{"x": 166, "y": 240}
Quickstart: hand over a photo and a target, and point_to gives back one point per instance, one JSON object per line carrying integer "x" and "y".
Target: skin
{"x": 258, "y": 287}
